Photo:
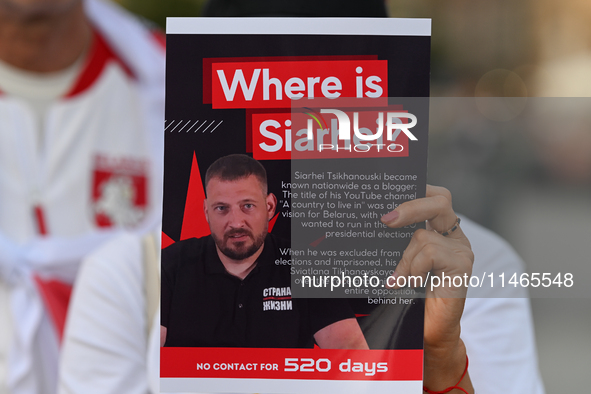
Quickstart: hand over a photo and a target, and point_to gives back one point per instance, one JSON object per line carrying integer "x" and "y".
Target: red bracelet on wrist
{"x": 447, "y": 390}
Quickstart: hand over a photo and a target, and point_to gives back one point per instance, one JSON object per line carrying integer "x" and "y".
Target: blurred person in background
{"x": 496, "y": 333}
{"x": 81, "y": 112}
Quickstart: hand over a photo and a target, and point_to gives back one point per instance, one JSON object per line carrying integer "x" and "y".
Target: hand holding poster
{"x": 284, "y": 147}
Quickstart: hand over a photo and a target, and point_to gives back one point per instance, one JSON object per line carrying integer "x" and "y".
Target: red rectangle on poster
{"x": 284, "y": 136}
{"x": 275, "y": 84}
{"x": 207, "y": 62}
{"x": 324, "y": 364}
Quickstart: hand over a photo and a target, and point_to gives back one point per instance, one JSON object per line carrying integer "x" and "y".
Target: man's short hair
{"x": 233, "y": 167}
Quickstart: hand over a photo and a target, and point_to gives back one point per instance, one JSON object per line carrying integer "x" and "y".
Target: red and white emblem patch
{"x": 119, "y": 191}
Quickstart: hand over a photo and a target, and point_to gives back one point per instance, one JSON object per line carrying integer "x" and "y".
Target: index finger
{"x": 435, "y": 208}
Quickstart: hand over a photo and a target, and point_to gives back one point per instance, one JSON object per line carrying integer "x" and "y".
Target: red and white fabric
{"x": 98, "y": 170}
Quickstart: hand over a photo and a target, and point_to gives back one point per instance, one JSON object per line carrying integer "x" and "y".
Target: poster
{"x": 336, "y": 112}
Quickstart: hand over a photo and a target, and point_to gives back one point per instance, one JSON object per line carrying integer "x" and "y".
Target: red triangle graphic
{"x": 272, "y": 222}
{"x": 166, "y": 241}
{"x": 194, "y": 222}
{"x": 317, "y": 242}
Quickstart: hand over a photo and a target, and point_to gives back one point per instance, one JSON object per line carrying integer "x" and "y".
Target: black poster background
{"x": 408, "y": 76}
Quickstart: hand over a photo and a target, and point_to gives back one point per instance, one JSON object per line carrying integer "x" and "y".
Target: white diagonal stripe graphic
{"x": 208, "y": 126}
{"x": 188, "y": 121}
{"x": 171, "y": 123}
{"x": 193, "y": 125}
{"x": 176, "y": 126}
{"x": 217, "y": 126}
{"x": 205, "y": 121}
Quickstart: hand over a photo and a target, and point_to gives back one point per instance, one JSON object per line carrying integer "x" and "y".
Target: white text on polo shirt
{"x": 277, "y": 299}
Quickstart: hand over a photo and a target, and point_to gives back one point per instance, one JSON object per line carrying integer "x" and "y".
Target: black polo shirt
{"x": 204, "y": 306}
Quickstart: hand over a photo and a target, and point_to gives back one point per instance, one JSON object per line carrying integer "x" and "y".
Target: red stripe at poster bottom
{"x": 257, "y": 363}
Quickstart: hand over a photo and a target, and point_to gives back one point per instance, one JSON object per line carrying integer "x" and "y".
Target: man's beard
{"x": 240, "y": 252}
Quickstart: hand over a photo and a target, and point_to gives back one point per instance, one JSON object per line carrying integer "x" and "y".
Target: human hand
{"x": 429, "y": 252}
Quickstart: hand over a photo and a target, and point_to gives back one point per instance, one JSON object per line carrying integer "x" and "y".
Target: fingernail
{"x": 390, "y": 217}
{"x": 391, "y": 281}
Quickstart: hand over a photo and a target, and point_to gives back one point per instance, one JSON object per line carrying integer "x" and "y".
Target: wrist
{"x": 444, "y": 366}
{"x": 464, "y": 385}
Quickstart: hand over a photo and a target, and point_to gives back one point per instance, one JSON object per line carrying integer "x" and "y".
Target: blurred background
{"x": 510, "y": 136}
